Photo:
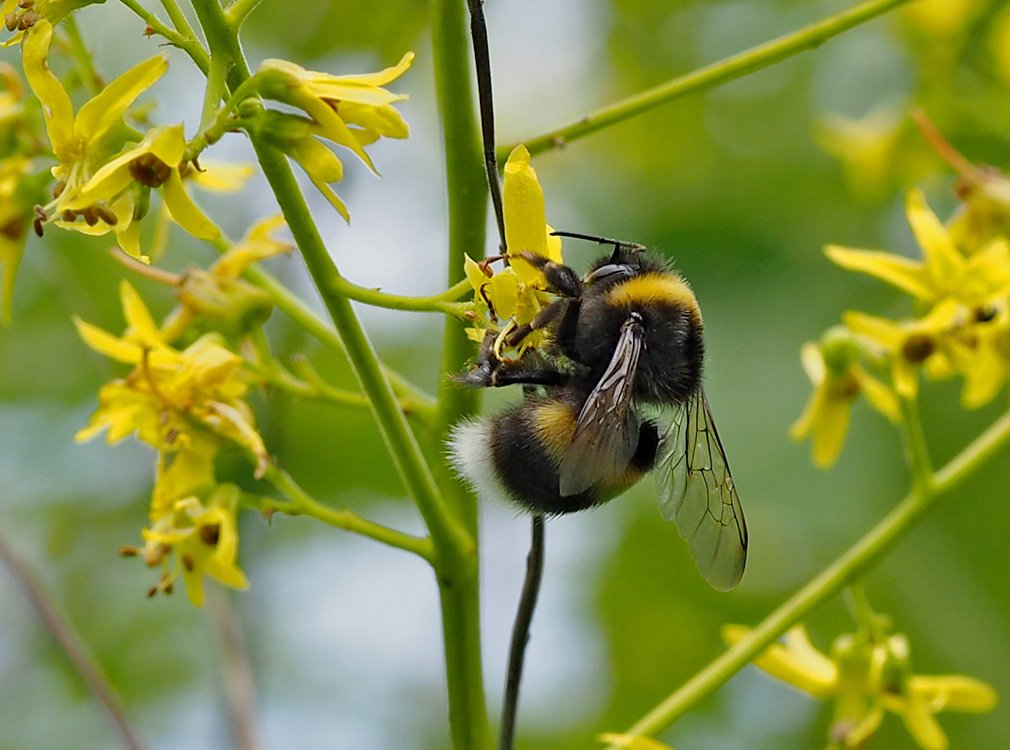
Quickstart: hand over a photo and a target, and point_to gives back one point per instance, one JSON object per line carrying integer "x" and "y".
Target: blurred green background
{"x": 734, "y": 184}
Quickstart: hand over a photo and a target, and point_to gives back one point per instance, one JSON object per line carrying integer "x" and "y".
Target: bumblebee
{"x": 615, "y": 393}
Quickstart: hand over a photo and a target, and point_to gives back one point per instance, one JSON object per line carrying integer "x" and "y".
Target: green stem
{"x": 412, "y": 399}
{"x": 189, "y": 44}
{"x": 879, "y": 540}
{"x": 435, "y": 303}
{"x": 177, "y": 18}
{"x": 239, "y": 10}
{"x": 467, "y": 196}
{"x": 212, "y": 113}
{"x": 82, "y": 57}
{"x": 915, "y": 444}
{"x": 710, "y": 76}
{"x": 400, "y": 441}
{"x": 300, "y": 503}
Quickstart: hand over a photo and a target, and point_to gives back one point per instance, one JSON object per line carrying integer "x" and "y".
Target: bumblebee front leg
{"x": 560, "y": 278}
{"x": 492, "y": 372}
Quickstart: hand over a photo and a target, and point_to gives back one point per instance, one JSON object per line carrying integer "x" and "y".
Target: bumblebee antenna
{"x": 619, "y": 245}
{"x": 482, "y": 63}
{"x": 521, "y": 633}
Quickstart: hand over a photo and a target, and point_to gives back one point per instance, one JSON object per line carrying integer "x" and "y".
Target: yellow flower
{"x": 515, "y": 295}
{"x": 218, "y": 176}
{"x": 15, "y": 218}
{"x": 20, "y": 15}
{"x": 867, "y": 675}
{"x": 83, "y": 143}
{"x": 197, "y": 540}
{"x": 838, "y": 378}
{"x": 170, "y": 393}
{"x": 926, "y": 342}
{"x": 296, "y": 137}
{"x": 983, "y": 357}
{"x": 232, "y": 305}
{"x": 942, "y": 18}
{"x": 352, "y": 111}
{"x": 526, "y": 228}
{"x": 984, "y": 213}
{"x": 151, "y": 164}
{"x": 943, "y": 271}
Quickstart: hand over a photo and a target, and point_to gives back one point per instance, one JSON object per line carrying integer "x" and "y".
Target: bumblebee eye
{"x": 611, "y": 272}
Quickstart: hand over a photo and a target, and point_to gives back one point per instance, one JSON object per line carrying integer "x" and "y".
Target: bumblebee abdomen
{"x": 518, "y": 453}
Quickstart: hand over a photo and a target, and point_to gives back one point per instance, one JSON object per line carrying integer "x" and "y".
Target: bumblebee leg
{"x": 491, "y": 372}
{"x": 553, "y": 311}
{"x": 560, "y": 278}
{"x": 525, "y": 372}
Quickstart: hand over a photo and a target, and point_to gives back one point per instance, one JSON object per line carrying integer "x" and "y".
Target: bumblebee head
{"x": 627, "y": 260}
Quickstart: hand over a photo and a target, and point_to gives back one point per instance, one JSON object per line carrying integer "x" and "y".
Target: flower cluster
{"x": 17, "y": 184}
{"x": 351, "y": 111}
{"x": 186, "y": 404}
{"x": 514, "y": 296}
{"x": 961, "y": 288}
{"x": 868, "y": 674}
{"x": 104, "y": 176}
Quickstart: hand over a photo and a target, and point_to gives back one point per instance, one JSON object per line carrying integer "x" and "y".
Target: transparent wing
{"x": 606, "y": 433}
{"x": 696, "y": 491}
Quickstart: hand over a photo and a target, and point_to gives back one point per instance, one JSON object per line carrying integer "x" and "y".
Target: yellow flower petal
{"x": 185, "y": 212}
{"x": 943, "y": 263}
{"x": 881, "y": 331}
{"x": 382, "y": 77}
{"x": 901, "y": 272}
{"x": 879, "y": 396}
{"x": 474, "y": 274}
{"x": 167, "y": 144}
{"x": 141, "y": 325}
{"x": 56, "y": 106}
{"x": 796, "y": 662}
{"x": 633, "y": 742}
{"x": 830, "y": 431}
{"x": 220, "y": 176}
{"x": 920, "y": 722}
{"x": 106, "y": 108}
{"x": 953, "y": 693}
{"x": 525, "y": 215}
{"x": 107, "y": 344}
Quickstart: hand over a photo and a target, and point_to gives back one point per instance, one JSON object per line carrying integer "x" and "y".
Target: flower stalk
{"x": 833, "y": 579}
{"x": 708, "y": 77}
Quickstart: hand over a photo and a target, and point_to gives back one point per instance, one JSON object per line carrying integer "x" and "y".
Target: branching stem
{"x": 710, "y": 76}
{"x": 878, "y": 541}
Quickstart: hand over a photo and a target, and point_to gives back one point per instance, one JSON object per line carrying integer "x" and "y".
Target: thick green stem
{"x": 828, "y": 583}
{"x": 710, "y": 76}
{"x": 467, "y": 190}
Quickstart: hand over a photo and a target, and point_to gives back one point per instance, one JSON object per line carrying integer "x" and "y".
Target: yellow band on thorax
{"x": 662, "y": 288}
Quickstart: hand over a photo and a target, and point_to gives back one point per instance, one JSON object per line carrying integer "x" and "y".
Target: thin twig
{"x": 521, "y": 634}
{"x": 70, "y": 641}
{"x": 710, "y": 76}
{"x": 482, "y": 62}
{"x": 239, "y": 685}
